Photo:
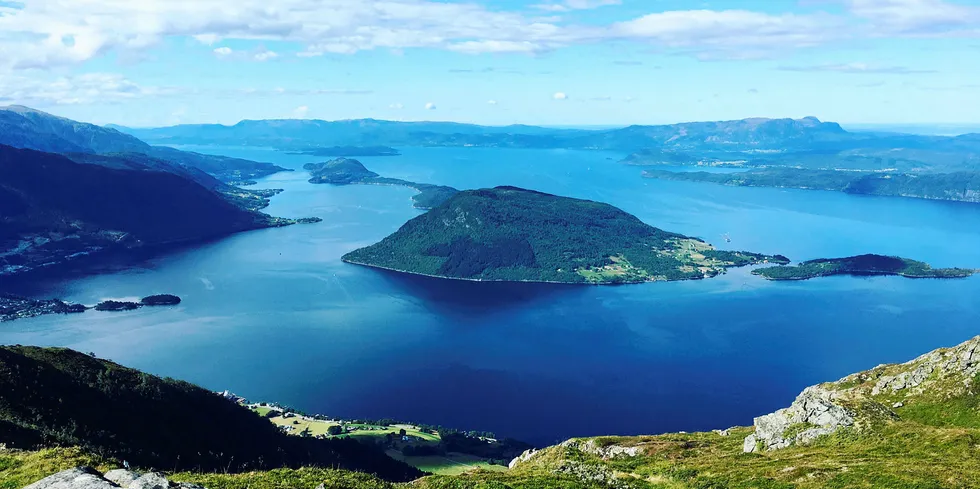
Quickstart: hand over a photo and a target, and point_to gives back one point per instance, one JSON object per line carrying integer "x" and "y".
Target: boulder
{"x": 813, "y": 414}
{"x": 524, "y": 457}
{"x": 151, "y": 480}
{"x": 77, "y": 478}
{"x": 121, "y": 477}
{"x": 605, "y": 452}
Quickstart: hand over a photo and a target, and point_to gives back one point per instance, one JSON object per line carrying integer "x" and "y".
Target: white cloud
{"x": 46, "y": 33}
{"x": 494, "y": 46}
{"x": 264, "y": 55}
{"x": 35, "y": 35}
{"x": 301, "y": 112}
{"x": 79, "y": 89}
{"x": 491, "y": 102}
{"x": 430, "y": 106}
{"x": 917, "y": 17}
{"x": 396, "y": 106}
{"x": 568, "y": 5}
{"x": 560, "y": 96}
{"x": 730, "y": 33}
{"x": 223, "y": 51}
{"x": 858, "y": 68}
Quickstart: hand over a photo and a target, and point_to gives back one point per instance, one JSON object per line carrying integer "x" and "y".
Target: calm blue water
{"x": 275, "y": 315}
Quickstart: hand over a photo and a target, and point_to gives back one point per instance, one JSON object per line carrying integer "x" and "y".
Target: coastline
{"x": 555, "y": 282}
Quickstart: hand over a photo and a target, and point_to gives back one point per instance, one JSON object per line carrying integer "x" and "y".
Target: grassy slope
{"x": 152, "y": 422}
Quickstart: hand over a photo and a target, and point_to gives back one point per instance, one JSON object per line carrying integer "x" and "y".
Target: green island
{"x": 513, "y": 234}
{"x": 861, "y": 265}
{"x": 899, "y": 426}
{"x": 347, "y": 171}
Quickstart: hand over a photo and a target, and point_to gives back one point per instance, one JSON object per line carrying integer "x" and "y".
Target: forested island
{"x": 958, "y": 186}
{"x": 861, "y": 265}
{"x": 16, "y": 307}
{"x": 346, "y": 171}
{"x": 513, "y": 234}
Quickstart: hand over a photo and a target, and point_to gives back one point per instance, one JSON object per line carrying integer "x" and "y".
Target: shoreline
{"x": 553, "y": 282}
{"x": 865, "y": 274}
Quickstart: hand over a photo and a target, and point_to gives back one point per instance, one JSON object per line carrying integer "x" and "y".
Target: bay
{"x": 275, "y": 315}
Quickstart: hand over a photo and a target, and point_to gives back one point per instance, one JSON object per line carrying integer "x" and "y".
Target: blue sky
{"x": 557, "y": 62}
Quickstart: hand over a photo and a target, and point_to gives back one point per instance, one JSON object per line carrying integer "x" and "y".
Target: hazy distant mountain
{"x": 302, "y": 133}
{"x": 23, "y": 127}
{"x": 744, "y": 133}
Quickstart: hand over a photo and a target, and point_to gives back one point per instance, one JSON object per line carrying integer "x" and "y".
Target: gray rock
{"x": 77, "y": 478}
{"x": 750, "y": 445}
{"x": 151, "y": 480}
{"x": 121, "y": 477}
{"x": 814, "y": 408}
{"x": 898, "y": 404}
{"x": 188, "y": 485}
{"x": 606, "y": 452}
{"x": 524, "y": 457}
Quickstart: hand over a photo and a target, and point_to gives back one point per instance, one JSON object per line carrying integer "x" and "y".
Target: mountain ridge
{"x": 27, "y": 128}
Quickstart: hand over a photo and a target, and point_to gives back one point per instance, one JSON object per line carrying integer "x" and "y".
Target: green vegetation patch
{"x": 20, "y": 468}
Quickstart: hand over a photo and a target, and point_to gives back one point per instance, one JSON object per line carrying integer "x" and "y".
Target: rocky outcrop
{"x": 823, "y": 409}
{"x": 89, "y": 478}
{"x": 604, "y": 452}
{"x": 814, "y": 413}
{"x": 524, "y": 457}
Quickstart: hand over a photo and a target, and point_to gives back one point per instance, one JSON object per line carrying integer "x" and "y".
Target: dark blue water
{"x": 275, "y": 315}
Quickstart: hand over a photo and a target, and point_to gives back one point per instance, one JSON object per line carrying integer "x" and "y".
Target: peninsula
{"x": 861, "y": 265}
{"x": 513, "y": 234}
{"x": 15, "y": 307}
{"x": 962, "y": 186}
{"x": 347, "y": 171}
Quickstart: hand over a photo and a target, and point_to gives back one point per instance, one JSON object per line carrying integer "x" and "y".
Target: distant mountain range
{"x": 806, "y": 142}
{"x": 747, "y": 133}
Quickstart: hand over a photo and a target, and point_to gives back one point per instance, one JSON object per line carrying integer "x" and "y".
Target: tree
{"x": 335, "y": 430}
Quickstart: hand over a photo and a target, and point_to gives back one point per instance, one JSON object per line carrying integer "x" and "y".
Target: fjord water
{"x": 275, "y": 315}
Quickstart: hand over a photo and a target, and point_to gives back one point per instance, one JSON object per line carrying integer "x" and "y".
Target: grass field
{"x": 450, "y": 464}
